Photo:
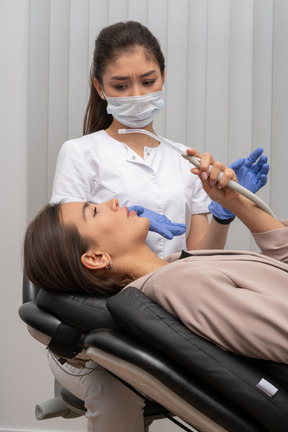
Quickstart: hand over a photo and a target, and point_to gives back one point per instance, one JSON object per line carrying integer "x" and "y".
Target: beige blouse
{"x": 238, "y": 300}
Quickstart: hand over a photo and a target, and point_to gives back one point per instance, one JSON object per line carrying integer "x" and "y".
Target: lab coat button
{"x": 134, "y": 157}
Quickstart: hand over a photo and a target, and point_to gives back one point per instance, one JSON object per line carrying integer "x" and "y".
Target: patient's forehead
{"x": 72, "y": 211}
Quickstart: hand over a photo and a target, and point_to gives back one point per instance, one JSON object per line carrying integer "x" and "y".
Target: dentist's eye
{"x": 120, "y": 87}
{"x": 148, "y": 83}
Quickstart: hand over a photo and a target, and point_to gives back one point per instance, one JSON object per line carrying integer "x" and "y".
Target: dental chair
{"x": 179, "y": 374}
{"x": 65, "y": 341}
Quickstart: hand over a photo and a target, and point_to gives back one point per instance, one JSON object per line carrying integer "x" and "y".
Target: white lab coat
{"x": 97, "y": 168}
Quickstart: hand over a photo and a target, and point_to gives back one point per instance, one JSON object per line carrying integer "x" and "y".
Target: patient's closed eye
{"x": 94, "y": 211}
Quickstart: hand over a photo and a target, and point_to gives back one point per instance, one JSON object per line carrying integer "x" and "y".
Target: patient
{"x": 237, "y": 300}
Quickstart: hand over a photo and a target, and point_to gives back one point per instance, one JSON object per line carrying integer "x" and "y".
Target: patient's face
{"x": 110, "y": 227}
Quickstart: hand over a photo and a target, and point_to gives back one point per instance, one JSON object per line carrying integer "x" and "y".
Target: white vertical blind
{"x": 78, "y": 61}
{"x": 38, "y": 104}
{"x": 176, "y": 58}
{"x": 59, "y": 76}
{"x": 240, "y": 78}
{"x": 226, "y": 81}
{"x": 279, "y": 141}
{"x": 197, "y": 74}
{"x": 217, "y": 78}
{"x": 263, "y": 81}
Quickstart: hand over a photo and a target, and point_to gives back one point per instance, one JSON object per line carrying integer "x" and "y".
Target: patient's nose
{"x": 113, "y": 204}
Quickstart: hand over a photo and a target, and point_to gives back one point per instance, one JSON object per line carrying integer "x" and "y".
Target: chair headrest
{"x": 29, "y": 290}
{"x": 82, "y": 311}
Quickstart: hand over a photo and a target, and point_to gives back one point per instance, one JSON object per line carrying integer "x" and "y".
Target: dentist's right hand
{"x": 159, "y": 223}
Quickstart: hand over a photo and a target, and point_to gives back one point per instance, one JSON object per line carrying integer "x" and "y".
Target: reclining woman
{"x": 237, "y": 300}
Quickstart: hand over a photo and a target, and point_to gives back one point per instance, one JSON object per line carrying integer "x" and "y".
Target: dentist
{"x": 126, "y": 90}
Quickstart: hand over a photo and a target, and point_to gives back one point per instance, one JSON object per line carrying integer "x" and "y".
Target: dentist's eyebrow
{"x": 148, "y": 73}
{"x": 119, "y": 78}
{"x": 85, "y": 206}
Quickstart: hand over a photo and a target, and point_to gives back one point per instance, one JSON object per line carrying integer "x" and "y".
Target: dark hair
{"x": 52, "y": 257}
{"x": 112, "y": 42}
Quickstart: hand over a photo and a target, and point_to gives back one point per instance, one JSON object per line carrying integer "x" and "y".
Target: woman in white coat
{"x": 126, "y": 90}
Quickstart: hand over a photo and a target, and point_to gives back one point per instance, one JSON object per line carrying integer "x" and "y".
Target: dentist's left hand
{"x": 251, "y": 173}
{"x": 159, "y": 223}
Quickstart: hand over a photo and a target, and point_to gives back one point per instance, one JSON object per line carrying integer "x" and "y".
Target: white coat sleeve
{"x": 72, "y": 177}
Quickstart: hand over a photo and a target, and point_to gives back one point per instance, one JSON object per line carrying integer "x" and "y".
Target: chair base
{"x": 55, "y": 407}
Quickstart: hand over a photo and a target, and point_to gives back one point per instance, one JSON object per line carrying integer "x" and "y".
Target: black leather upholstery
{"x": 183, "y": 382}
{"x": 38, "y": 318}
{"x": 29, "y": 290}
{"x": 83, "y": 311}
{"x": 233, "y": 376}
{"x": 130, "y": 326}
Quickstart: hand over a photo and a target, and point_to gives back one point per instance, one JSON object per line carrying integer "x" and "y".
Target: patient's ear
{"x": 95, "y": 260}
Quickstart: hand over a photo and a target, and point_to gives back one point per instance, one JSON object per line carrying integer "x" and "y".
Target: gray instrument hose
{"x": 196, "y": 162}
{"x": 235, "y": 186}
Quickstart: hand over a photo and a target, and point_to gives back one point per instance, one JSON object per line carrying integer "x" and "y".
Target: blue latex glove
{"x": 251, "y": 175}
{"x": 159, "y": 223}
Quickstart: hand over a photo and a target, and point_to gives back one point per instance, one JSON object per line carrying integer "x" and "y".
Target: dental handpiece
{"x": 196, "y": 162}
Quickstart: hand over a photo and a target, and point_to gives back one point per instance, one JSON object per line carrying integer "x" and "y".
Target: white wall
{"x": 226, "y": 91}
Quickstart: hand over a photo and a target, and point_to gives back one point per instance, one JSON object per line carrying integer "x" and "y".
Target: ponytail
{"x": 96, "y": 117}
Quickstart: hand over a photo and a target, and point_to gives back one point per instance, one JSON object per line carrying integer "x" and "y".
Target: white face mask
{"x": 135, "y": 111}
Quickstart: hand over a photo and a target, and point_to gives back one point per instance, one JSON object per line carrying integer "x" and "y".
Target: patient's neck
{"x": 147, "y": 264}
{"x": 142, "y": 262}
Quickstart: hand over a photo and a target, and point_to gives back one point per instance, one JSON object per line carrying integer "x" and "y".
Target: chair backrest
{"x": 246, "y": 382}
{"x": 29, "y": 290}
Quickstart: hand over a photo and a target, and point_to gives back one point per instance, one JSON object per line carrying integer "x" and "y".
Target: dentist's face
{"x": 131, "y": 74}
{"x": 111, "y": 228}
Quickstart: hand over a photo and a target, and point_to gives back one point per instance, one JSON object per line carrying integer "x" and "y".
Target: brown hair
{"x": 111, "y": 42}
{"x": 52, "y": 257}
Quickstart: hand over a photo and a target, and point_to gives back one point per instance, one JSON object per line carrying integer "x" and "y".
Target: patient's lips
{"x": 130, "y": 213}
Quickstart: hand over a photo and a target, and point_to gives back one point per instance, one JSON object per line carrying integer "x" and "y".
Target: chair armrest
{"x": 37, "y": 318}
